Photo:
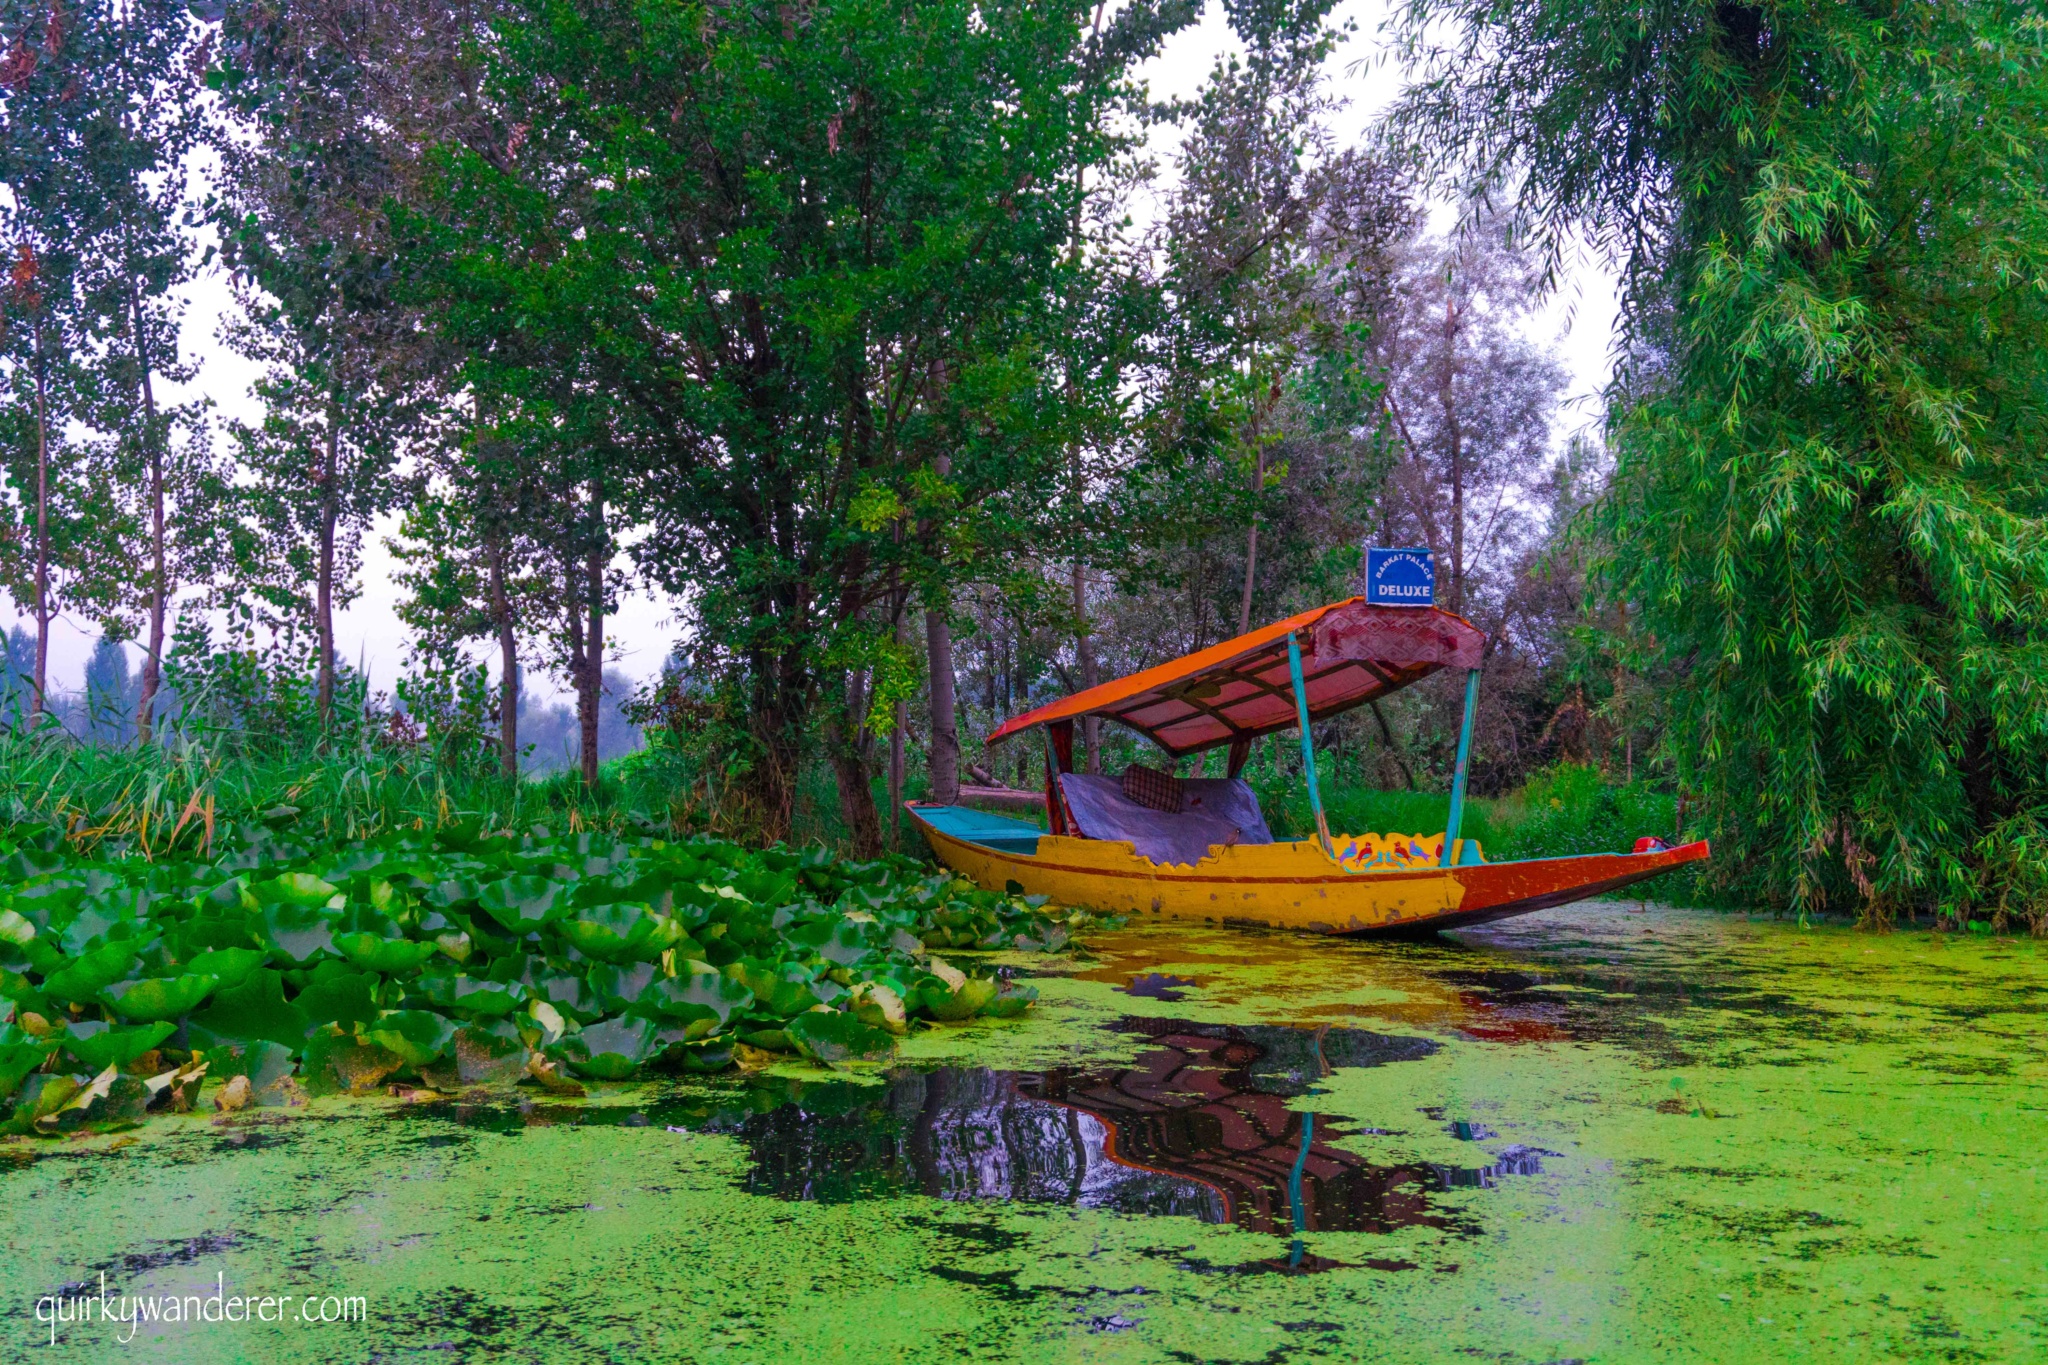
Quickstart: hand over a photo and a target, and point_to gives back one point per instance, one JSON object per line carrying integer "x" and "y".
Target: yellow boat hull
{"x": 1291, "y": 885}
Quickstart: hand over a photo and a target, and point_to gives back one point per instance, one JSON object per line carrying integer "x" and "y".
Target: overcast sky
{"x": 1579, "y": 322}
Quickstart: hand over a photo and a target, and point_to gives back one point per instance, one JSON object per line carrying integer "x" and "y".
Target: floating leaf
{"x": 100, "y": 1046}
{"x": 968, "y": 999}
{"x": 343, "y": 1060}
{"x": 1011, "y": 1001}
{"x": 880, "y": 1007}
{"x": 298, "y": 932}
{"x": 523, "y": 904}
{"x": 609, "y": 1051}
{"x": 155, "y": 998}
{"x": 832, "y": 1036}
{"x": 699, "y": 994}
{"x": 93, "y": 973}
{"x": 783, "y": 990}
{"x": 387, "y": 956}
{"x": 296, "y": 888}
{"x": 473, "y": 996}
{"x": 417, "y": 1036}
{"x": 21, "y": 1053}
{"x": 489, "y": 1052}
{"x": 254, "y": 1010}
{"x": 618, "y": 988}
{"x": 611, "y": 933}
{"x": 337, "y": 995}
{"x": 231, "y": 965}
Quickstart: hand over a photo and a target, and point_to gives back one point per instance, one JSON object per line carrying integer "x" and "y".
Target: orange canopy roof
{"x": 1241, "y": 688}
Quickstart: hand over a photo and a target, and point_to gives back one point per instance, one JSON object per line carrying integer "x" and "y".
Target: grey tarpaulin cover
{"x": 1220, "y": 810}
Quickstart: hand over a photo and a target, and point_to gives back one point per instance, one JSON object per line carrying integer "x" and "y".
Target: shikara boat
{"x": 1151, "y": 843}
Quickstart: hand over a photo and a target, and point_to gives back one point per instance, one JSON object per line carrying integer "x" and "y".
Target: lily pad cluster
{"x": 457, "y": 958}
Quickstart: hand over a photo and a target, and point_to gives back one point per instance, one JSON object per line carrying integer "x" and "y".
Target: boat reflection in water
{"x": 1198, "y": 1125}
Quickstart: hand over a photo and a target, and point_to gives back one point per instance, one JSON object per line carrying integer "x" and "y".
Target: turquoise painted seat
{"x": 998, "y": 832}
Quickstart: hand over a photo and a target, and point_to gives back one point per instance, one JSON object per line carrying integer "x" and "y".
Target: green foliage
{"x": 418, "y": 954}
{"x": 1830, "y": 504}
{"x": 791, "y": 286}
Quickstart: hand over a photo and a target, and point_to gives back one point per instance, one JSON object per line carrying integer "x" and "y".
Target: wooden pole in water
{"x": 1308, "y": 745}
{"x": 1458, "y": 774}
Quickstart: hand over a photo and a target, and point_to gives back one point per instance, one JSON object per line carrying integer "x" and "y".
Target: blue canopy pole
{"x": 1308, "y": 745}
{"x": 1458, "y": 775}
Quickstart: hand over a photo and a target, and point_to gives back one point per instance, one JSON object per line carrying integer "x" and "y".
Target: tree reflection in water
{"x": 1198, "y": 1125}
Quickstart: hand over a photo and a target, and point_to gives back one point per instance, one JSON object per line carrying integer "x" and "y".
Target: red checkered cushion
{"x": 1154, "y": 789}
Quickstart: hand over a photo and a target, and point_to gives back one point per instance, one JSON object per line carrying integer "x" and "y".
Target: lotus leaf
{"x": 612, "y": 933}
{"x": 609, "y": 1051}
{"x": 711, "y": 1054}
{"x": 700, "y": 994}
{"x": 155, "y": 998}
{"x": 103, "y": 919}
{"x": 952, "y": 1003}
{"x": 617, "y": 988}
{"x": 337, "y": 995}
{"x": 254, "y": 1010}
{"x": 473, "y": 996}
{"x": 99, "y": 1046}
{"x": 782, "y": 990}
{"x": 486, "y": 1052}
{"x": 838, "y": 940}
{"x": 94, "y": 972}
{"x": 337, "y": 1059}
{"x": 264, "y": 1068}
{"x": 832, "y": 1036}
{"x": 879, "y": 1006}
{"x": 206, "y": 933}
{"x": 523, "y": 904}
{"x": 296, "y": 888}
{"x": 451, "y": 892}
{"x": 41, "y": 1094}
{"x": 392, "y": 956}
{"x": 20, "y": 1053}
{"x": 16, "y": 930}
{"x": 417, "y": 1036}
{"x": 231, "y": 965}
{"x": 109, "y": 1101}
{"x": 299, "y": 933}
{"x": 769, "y": 1040}
{"x": 567, "y": 992}
{"x": 1011, "y": 1001}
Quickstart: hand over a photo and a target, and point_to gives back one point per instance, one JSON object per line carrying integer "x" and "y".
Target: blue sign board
{"x": 1400, "y": 578}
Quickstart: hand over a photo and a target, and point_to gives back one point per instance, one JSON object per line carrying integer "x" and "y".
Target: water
{"x": 1590, "y": 1134}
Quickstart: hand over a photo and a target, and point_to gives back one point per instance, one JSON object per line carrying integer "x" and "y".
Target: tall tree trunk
{"x": 850, "y": 769}
{"x": 945, "y": 748}
{"x": 41, "y": 680}
{"x": 938, "y": 635}
{"x": 323, "y": 589}
{"x": 1251, "y": 539}
{"x": 897, "y": 604}
{"x": 1455, "y": 440}
{"x": 1084, "y": 655}
{"x": 508, "y": 662}
{"x": 593, "y": 667}
{"x": 159, "y": 594}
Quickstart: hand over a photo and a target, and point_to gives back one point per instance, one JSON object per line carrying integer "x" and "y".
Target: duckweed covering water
{"x": 1589, "y": 1134}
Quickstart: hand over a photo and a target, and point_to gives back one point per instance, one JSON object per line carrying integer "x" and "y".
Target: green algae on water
{"x": 1846, "y": 1169}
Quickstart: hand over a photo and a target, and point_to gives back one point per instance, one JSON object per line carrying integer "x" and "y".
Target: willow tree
{"x": 1831, "y": 446}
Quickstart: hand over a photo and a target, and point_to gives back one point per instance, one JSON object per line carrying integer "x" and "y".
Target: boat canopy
{"x": 1243, "y": 688}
